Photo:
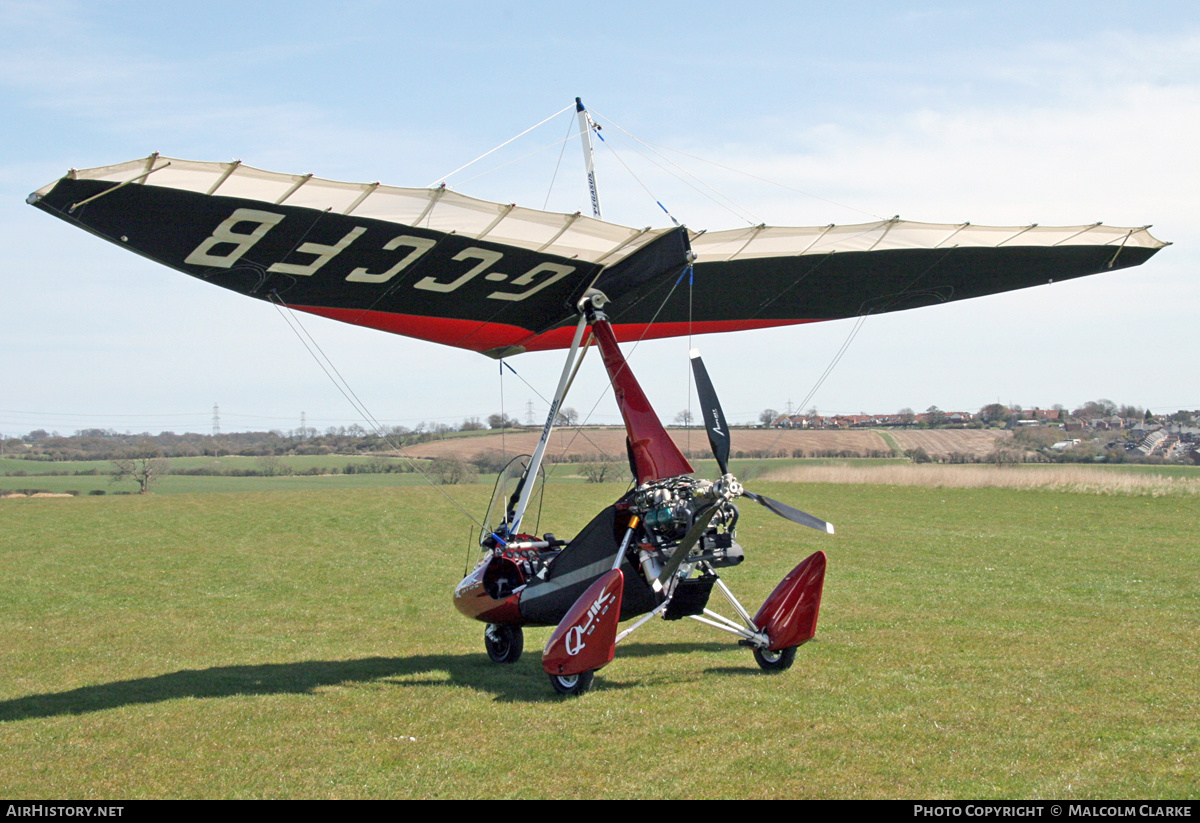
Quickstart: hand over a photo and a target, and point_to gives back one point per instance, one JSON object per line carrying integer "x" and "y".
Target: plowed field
{"x": 609, "y": 443}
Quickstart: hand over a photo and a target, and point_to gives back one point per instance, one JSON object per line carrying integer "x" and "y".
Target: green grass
{"x": 974, "y": 643}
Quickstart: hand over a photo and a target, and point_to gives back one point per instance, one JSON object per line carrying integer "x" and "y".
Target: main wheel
{"x": 504, "y": 644}
{"x": 770, "y": 661}
{"x": 572, "y": 684}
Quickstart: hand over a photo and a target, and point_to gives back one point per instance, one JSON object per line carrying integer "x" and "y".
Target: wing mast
{"x": 586, "y": 126}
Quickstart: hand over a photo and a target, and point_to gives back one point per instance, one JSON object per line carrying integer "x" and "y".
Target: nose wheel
{"x": 504, "y": 644}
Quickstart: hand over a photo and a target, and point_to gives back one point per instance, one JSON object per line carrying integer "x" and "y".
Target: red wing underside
{"x": 483, "y": 337}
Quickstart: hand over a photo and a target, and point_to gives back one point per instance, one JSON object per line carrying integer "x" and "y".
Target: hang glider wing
{"x": 500, "y": 279}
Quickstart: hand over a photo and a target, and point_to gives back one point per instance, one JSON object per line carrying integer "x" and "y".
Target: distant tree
{"x": 378, "y": 463}
{"x": 271, "y": 465}
{"x": 1096, "y": 408}
{"x": 1035, "y": 438}
{"x": 451, "y": 471}
{"x": 144, "y": 469}
{"x": 501, "y": 421}
{"x": 1184, "y": 418}
{"x": 471, "y": 424}
{"x": 934, "y": 417}
{"x": 491, "y": 461}
{"x": 907, "y": 416}
{"x": 595, "y": 472}
{"x": 767, "y": 416}
{"x": 1003, "y": 456}
{"x": 993, "y": 412}
{"x": 565, "y": 417}
{"x": 684, "y": 418}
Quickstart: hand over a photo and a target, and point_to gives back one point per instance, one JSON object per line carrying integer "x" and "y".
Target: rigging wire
{"x": 562, "y": 152}
{"x": 858, "y": 324}
{"x": 638, "y": 180}
{"x": 563, "y": 142}
{"x": 327, "y": 366}
{"x": 718, "y": 198}
{"x": 578, "y": 427}
{"x": 497, "y": 148}
{"x": 503, "y": 413}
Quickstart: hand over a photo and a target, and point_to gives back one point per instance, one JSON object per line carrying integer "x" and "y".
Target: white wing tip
{"x": 829, "y": 528}
{"x": 694, "y": 354}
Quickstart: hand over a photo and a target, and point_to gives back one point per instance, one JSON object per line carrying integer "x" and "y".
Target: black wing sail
{"x": 500, "y": 279}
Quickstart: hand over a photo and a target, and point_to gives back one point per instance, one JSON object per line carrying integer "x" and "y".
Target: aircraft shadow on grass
{"x": 472, "y": 670}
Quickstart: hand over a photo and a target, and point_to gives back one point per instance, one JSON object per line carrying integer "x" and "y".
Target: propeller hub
{"x": 729, "y": 488}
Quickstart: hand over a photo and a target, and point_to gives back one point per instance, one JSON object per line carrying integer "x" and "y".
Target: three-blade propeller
{"x": 718, "y": 439}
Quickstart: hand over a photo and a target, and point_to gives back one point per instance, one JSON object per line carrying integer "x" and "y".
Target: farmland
{"x": 974, "y": 642}
{"x": 610, "y": 442}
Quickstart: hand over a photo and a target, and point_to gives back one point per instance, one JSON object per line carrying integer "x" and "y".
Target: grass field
{"x": 977, "y": 643}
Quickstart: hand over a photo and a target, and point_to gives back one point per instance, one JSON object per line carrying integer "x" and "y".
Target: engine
{"x": 669, "y": 507}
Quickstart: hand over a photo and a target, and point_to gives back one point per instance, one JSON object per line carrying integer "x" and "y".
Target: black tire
{"x": 572, "y": 685}
{"x": 504, "y": 644}
{"x": 779, "y": 661}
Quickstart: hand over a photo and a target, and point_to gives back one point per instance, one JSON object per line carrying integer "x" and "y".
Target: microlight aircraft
{"x": 499, "y": 279}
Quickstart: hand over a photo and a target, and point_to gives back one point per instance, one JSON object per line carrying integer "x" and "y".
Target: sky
{"x": 1005, "y": 114}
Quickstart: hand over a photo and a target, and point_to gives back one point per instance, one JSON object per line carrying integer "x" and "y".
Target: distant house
{"x": 796, "y": 421}
{"x": 1153, "y": 441}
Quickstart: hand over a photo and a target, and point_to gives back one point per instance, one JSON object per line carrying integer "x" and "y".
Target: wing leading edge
{"x": 500, "y": 279}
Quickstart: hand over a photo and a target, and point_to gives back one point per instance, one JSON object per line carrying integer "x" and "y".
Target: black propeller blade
{"x": 795, "y": 515}
{"x": 714, "y": 418}
{"x": 718, "y": 439}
